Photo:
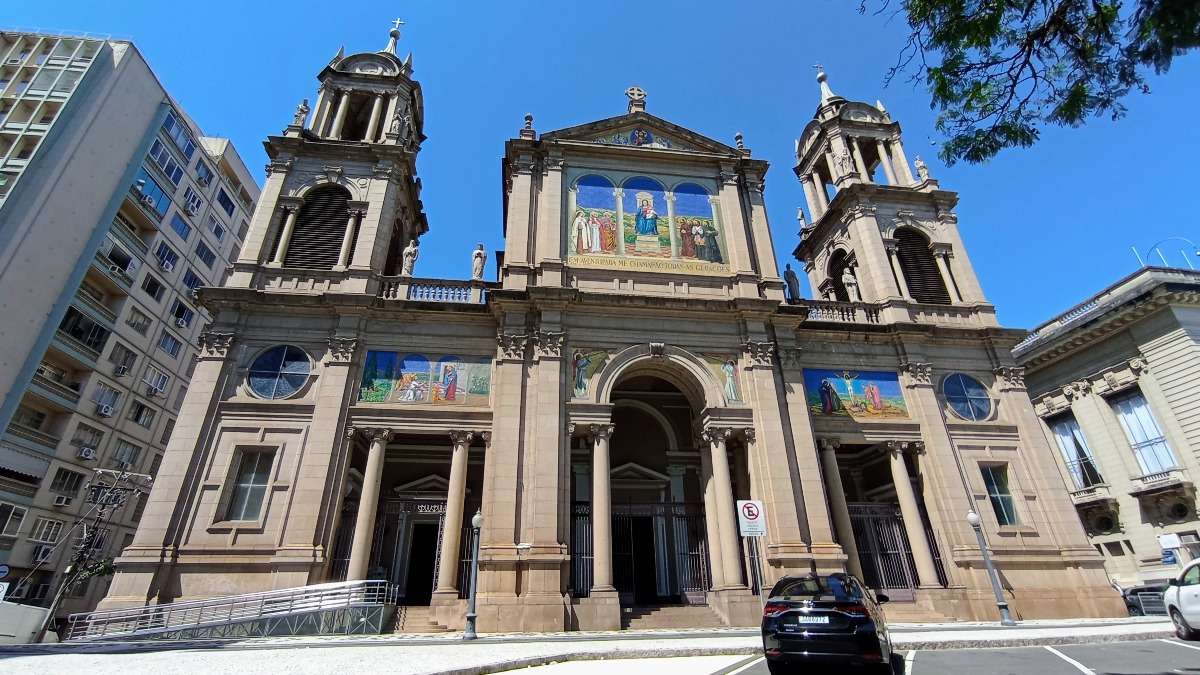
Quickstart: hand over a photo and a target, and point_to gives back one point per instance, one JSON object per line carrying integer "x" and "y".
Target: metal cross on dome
{"x": 396, "y": 24}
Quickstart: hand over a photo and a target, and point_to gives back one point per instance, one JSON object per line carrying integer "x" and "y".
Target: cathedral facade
{"x": 639, "y": 366}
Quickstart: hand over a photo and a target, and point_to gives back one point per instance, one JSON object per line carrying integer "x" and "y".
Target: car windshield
{"x": 832, "y": 588}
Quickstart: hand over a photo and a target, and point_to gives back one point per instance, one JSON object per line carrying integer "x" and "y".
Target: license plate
{"x": 812, "y": 619}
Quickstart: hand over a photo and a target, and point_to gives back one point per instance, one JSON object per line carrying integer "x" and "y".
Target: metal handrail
{"x": 227, "y": 609}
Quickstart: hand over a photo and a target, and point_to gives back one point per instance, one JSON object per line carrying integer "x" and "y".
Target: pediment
{"x": 641, "y": 130}
{"x": 635, "y": 471}
{"x": 431, "y": 483}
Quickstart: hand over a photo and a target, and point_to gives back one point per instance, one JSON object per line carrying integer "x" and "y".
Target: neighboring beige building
{"x": 634, "y": 371}
{"x": 1114, "y": 380}
{"x": 115, "y": 209}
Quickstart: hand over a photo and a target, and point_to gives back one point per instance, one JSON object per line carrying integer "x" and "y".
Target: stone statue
{"x": 301, "y": 114}
{"x": 851, "y": 285}
{"x": 409, "y": 258}
{"x": 845, "y": 161}
{"x": 478, "y": 260}
{"x": 922, "y": 169}
{"x": 394, "y": 128}
{"x": 793, "y": 284}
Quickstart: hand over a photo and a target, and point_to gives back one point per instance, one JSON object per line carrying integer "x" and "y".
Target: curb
{"x": 1033, "y": 641}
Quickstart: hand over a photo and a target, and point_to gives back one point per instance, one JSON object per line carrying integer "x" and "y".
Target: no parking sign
{"x": 751, "y": 521}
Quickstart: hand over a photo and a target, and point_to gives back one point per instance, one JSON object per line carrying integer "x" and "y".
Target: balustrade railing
{"x": 433, "y": 290}
{"x": 841, "y": 312}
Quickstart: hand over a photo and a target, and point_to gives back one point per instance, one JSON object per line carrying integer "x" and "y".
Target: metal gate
{"x": 883, "y": 549}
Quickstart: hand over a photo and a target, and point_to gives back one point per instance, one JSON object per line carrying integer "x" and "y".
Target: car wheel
{"x": 1134, "y": 610}
{"x": 1182, "y": 629}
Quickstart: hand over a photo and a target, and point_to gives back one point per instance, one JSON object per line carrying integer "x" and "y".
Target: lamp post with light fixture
{"x": 1005, "y": 617}
{"x": 476, "y": 525}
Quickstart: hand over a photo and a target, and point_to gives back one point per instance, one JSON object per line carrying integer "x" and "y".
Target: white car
{"x": 1182, "y": 599}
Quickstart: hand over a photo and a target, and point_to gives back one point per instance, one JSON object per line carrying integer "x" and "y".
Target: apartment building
{"x": 1114, "y": 380}
{"x": 114, "y": 208}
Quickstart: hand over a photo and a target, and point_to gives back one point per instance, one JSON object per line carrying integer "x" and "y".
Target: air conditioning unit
{"x": 204, "y": 180}
{"x": 191, "y": 209}
{"x": 42, "y": 552}
{"x": 182, "y": 323}
{"x": 148, "y": 200}
{"x": 87, "y": 452}
{"x": 62, "y": 500}
{"x": 121, "y": 371}
{"x": 166, "y": 265}
{"x": 104, "y": 410}
{"x": 152, "y": 390}
{"x": 116, "y": 269}
{"x": 14, "y": 62}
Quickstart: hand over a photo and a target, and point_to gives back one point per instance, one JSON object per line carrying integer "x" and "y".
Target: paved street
{"x": 1150, "y": 657}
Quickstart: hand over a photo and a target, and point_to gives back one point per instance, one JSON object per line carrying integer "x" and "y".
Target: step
{"x": 669, "y": 616}
{"x": 417, "y": 619}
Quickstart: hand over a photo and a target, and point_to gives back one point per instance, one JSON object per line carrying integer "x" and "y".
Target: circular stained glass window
{"x": 967, "y": 397}
{"x": 279, "y": 372}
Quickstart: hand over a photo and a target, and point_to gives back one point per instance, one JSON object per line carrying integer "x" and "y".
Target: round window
{"x": 279, "y": 372}
{"x": 967, "y": 397}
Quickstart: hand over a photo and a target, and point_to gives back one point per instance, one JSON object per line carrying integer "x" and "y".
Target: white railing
{"x": 841, "y": 312}
{"x": 433, "y": 290}
{"x": 149, "y": 619}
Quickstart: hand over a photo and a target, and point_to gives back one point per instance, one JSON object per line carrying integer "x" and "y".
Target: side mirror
{"x": 1175, "y": 582}
{"x": 881, "y": 598}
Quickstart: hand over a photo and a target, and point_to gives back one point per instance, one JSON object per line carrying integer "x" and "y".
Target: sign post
{"x": 752, "y": 524}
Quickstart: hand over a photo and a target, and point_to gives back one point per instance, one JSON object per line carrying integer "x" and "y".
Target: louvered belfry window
{"x": 920, "y": 269}
{"x": 320, "y": 225}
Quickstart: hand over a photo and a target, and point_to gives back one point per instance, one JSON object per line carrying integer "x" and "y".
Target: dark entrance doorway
{"x": 422, "y": 552}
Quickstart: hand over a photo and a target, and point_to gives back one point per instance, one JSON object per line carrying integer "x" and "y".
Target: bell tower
{"x": 342, "y": 197}
{"x": 877, "y": 233}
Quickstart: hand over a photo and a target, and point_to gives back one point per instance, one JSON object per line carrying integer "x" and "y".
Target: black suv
{"x": 825, "y": 619}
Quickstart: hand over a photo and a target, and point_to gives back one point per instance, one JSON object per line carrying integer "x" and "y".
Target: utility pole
{"x": 106, "y": 498}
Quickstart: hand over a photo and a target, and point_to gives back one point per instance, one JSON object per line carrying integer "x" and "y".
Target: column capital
{"x": 894, "y": 448}
{"x": 603, "y": 431}
{"x": 486, "y": 437}
{"x": 759, "y": 354}
{"x": 919, "y": 373}
{"x": 1010, "y": 377}
{"x": 460, "y": 437}
{"x": 374, "y": 434}
{"x": 215, "y": 344}
{"x": 1077, "y": 389}
{"x": 749, "y": 434}
{"x": 550, "y": 343}
{"x": 829, "y": 444}
{"x": 716, "y": 434}
{"x": 512, "y": 345}
{"x": 342, "y": 348}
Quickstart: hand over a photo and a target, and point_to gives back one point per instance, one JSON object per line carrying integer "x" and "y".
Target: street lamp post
{"x": 1005, "y": 617}
{"x": 476, "y": 524}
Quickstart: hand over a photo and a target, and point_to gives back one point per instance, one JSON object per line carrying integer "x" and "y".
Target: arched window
{"x": 837, "y": 266}
{"x": 920, "y": 269}
{"x": 320, "y": 225}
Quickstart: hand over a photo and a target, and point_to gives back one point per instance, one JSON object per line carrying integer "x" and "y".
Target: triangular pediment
{"x": 640, "y": 130}
{"x": 634, "y": 471}
{"x": 431, "y": 483}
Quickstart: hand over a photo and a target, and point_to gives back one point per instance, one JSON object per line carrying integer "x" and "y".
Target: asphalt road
{"x": 1150, "y": 657}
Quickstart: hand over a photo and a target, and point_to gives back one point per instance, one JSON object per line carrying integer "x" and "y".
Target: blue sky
{"x": 1045, "y": 227}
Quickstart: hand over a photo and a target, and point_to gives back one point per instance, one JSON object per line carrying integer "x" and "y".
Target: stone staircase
{"x": 669, "y": 616}
{"x": 417, "y": 619}
{"x": 914, "y": 612}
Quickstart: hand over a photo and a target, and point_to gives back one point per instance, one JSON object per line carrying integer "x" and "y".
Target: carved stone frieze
{"x": 215, "y": 344}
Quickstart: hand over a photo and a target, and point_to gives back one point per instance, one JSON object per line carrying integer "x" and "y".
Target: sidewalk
{"x": 425, "y": 654}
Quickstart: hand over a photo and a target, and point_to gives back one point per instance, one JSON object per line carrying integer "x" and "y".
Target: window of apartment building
{"x": 153, "y": 287}
{"x": 105, "y": 395}
{"x": 122, "y": 358}
{"x": 150, "y": 194}
{"x": 46, "y": 531}
{"x": 165, "y": 437}
{"x": 1075, "y": 451}
{"x": 205, "y": 254}
{"x": 1149, "y": 444}
{"x": 92, "y": 539}
{"x": 141, "y": 414}
{"x": 995, "y": 477}
{"x": 178, "y": 133}
{"x": 192, "y": 280}
{"x": 226, "y": 203}
{"x": 216, "y": 227}
{"x": 28, "y": 417}
{"x": 155, "y": 379}
{"x": 138, "y": 320}
{"x": 167, "y": 257}
{"x": 250, "y": 485}
{"x": 67, "y": 482}
{"x": 87, "y": 436}
{"x": 11, "y": 517}
{"x": 181, "y": 227}
{"x": 182, "y": 313}
{"x": 179, "y": 396}
{"x": 126, "y": 454}
{"x": 165, "y": 161}
{"x": 203, "y": 173}
{"x": 84, "y": 329}
{"x": 169, "y": 343}
{"x": 155, "y": 462}
{"x": 191, "y": 369}
{"x": 192, "y": 201}
{"x": 242, "y": 230}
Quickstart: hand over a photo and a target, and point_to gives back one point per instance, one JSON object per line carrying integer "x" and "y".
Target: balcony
{"x": 114, "y": 271}
{"x": 96, "y": 306}
{"x": 433, "y": 290}
{"x": 841, "y": 312}
{"x": 43, "y": 441}
{"x": 1162, "y": 482}
{"x": 1092, "y": 495}
{"x": 76, "y": 349}
{"x": 58, "y": 392}
{"x": 122, "y": 230}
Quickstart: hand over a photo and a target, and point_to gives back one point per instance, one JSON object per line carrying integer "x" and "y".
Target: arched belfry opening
{"x": 316, "y": 240}
{"x": 921, "y": 273}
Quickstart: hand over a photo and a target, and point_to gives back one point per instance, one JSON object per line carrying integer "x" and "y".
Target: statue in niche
{"x": 793, "y": 284}
{"x": 478, "y": 260}
{"x": 301, "y": 114}
{"x": 922, "y": 168}
{"x": 409, "y": 258}
{"x": 851, "y": 285}
{"x": 845, "y": 161}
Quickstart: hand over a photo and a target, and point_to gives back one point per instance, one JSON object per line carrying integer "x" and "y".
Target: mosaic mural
{"x": 640, "y": 225}
{"x": 860, "y": 394}
{"x": 584, "y": 364}
{"x": 397, "y": 377}
{"x": 725, "y": 367}
{"x": 638, "y": 137}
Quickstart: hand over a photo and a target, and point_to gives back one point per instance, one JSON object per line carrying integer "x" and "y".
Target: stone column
{"x": 670, "y": 197}
{"x": 348, "y": 238}
{"x": 832, "y": 165}
{"x": 886, "y": 161}
{"x": 723, "y": 487}
{"x": 322, "y": 109}
{"x": 902, "y": 170}
{"x": 619, "y": 195}
{"x": 373, "y": 125}
{"x": 602, "y": 579}
{"x": 837, "y": 502}
{"x": 339, "y": 118}
{"x": 814, "y": 206}
{"x": 914, "y": 527}
{"x": 712, "y": 524}
{"x": 947, "y": 278}
{"x": 858, "y": 160}
{"x": 456, "y": 491}
{"x": 894, "y": 259}
{"x": 285, "y": 237}
{"x": 819, "y": 191}
{"x": 364, "y": 521}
